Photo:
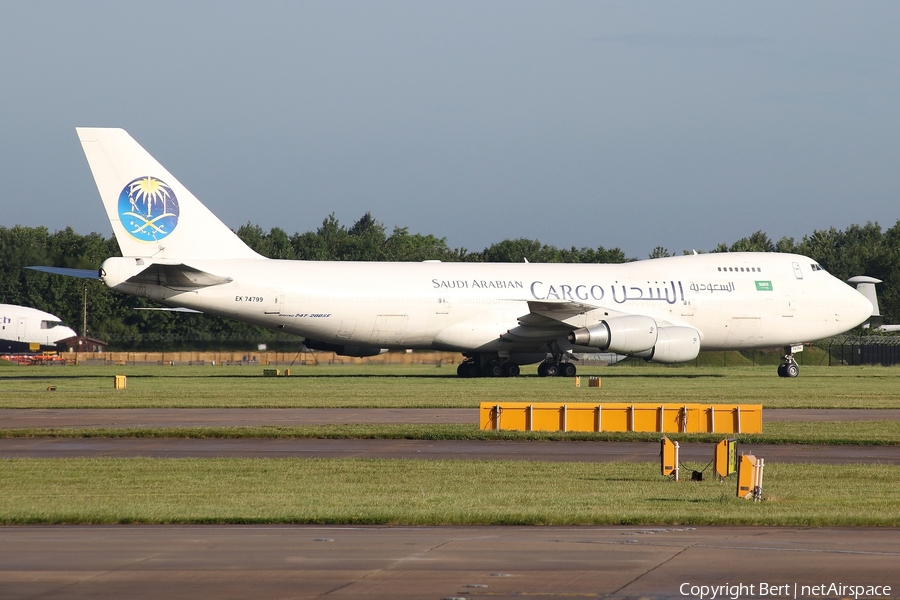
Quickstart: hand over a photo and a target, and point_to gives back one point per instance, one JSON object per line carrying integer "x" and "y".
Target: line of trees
{"x": 857, "y": 250}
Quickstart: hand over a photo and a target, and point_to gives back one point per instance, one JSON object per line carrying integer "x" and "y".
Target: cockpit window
{"x": 816, "y": 267}
{"x": 50, "y": 324}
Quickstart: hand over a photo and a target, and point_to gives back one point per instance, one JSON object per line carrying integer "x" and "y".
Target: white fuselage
{"x": 29, "y": 329}
{"x": 735, "y": 300}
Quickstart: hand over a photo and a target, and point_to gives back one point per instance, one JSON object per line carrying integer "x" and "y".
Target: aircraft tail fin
{"x": 151, "y": 213}
{"x": 866, "y": 286}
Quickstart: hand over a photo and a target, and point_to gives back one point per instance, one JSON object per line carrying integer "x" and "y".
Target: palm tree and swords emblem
{"x": 148, "y": 209}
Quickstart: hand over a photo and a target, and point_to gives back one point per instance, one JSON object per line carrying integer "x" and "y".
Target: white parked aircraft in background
{"x": 24, "y": 329}
{"x": 499, "y": 315}
{"x": 866, "y": 286}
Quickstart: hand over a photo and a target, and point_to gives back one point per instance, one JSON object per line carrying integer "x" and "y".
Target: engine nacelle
{"x": 342, "y": 350}
{"x": 622, "y": 335}
{"x": 675, "y": 345}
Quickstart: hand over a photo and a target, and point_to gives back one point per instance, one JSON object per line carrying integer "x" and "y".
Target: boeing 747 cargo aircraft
{"x": 499, "y": 315}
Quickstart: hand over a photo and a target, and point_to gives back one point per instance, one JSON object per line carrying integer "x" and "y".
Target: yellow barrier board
{"x": 612, "y": 416}
{"x": 750, "y": 476}
{"x": 668, "y": 454}
{"x": 725, "y": 459}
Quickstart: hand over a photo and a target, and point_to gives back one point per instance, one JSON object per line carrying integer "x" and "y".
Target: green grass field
{"x": 430, "y": 492}
{"x": 440, "y": 492}
{"x": 427, "y": 386}
{"x": 875, "y": 433}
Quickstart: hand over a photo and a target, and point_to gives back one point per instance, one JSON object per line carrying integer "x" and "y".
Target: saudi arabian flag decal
{"x": 763, "y": 286}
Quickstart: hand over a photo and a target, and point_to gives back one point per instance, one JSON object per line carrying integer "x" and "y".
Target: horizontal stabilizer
{"x": 170, "y": 309}
{"x": 177, "y": 276}
{"x": 81, "y": 273}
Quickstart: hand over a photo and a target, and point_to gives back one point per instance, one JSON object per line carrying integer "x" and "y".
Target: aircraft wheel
{"x": 492, "y": 369}
{"x": 781, "y": 371}
{"x": 567, "y": 369}
{"x": 510, "y": 370}
{"x": 542, "y": 370}
{"x": 792, "y": 370}
{"x": 550, "y": 369}
{"x": 467, "y": 369}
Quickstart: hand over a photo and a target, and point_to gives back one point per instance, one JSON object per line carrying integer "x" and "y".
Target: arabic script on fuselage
{"x": 712, "y": 287}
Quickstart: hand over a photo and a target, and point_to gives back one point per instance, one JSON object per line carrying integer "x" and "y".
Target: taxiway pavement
{"x": 235, "y": 561}
{"x": 554, "y": 451}
{"x": 14, "y": 418}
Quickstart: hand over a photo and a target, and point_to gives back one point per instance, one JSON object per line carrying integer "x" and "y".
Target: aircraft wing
{"x": 559, "y": 311}
{"x": 572, "y": 314}
{"x": 566, "y": 313}
{"x": 82, "y": 273}
{"x": 179, "y": 276}
{"x": 549, "y": 319}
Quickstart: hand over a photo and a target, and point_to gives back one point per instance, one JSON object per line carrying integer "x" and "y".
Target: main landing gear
{"x": 491, "y": 365}
{"x": 551, "y": 368}
{"x": 492, "y": 368}
{"x": 555, "y": 365}
{"x": 788, "y": 366}
{"x": 467, "y": 369}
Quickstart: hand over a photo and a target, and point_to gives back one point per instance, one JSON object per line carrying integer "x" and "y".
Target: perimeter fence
{"x": 864, "y": 350}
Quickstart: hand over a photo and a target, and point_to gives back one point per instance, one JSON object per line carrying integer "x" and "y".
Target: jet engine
{"x": 622, "y": 335}
{"x": 675, "y": 345}
{"x": 342, "y": 350}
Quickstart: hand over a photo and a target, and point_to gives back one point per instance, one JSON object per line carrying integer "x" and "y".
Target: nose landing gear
{"x": 789, "y": 366}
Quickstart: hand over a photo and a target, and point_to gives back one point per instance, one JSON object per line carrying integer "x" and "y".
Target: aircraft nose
{"x": 65, "y": 333}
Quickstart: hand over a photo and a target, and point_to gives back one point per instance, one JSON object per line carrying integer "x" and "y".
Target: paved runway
{"x": 244, "y": 417}
{"x": 556, "y": 451}
{"x": 418, "y": 449}
{"x": 224, "y": 562}
{"x": 13, "y": 418}
{"x": 422, "y": 562}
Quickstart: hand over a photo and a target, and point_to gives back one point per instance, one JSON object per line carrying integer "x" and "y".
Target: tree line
{"x": 856, "y": 250}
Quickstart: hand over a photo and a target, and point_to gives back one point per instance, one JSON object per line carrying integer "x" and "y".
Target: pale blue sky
{"x": 627, "y": 124}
